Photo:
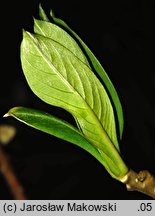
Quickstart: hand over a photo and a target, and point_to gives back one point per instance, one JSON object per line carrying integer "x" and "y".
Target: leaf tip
{"x": 42, "y": 14}
{"x": 40, "y": 6}
{"x": 52, "y": 13}
{"x": 6, "y": 115}
{"x": 35, "y": 20}
{"x": 25, "y": 33}
{"x": 11, "y": 112}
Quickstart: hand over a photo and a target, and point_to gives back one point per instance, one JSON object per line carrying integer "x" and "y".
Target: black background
{"x": 121, "y": 34}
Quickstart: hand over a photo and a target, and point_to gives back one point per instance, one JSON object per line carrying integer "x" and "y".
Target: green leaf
{"x": 99, "y": 70}
{"x": 54, "y": 126}
{"x": 59, "y": 78}
{"x": 57, "y": 34}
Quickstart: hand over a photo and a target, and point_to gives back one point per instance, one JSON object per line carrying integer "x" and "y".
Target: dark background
{"x": 121, "y": 34}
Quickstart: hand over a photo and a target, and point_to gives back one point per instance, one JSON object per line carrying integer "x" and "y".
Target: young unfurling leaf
{"x": 54, "y": 126}
{"x": 61, "y": 79}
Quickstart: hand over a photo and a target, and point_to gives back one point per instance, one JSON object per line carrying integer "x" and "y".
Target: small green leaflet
{"x": 60, "y": 78}
{"x": 54, "y": 126}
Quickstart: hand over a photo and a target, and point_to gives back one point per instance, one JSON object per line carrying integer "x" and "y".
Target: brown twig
{"x": 143, "y": 182}
{"x": 7, "y": 171}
